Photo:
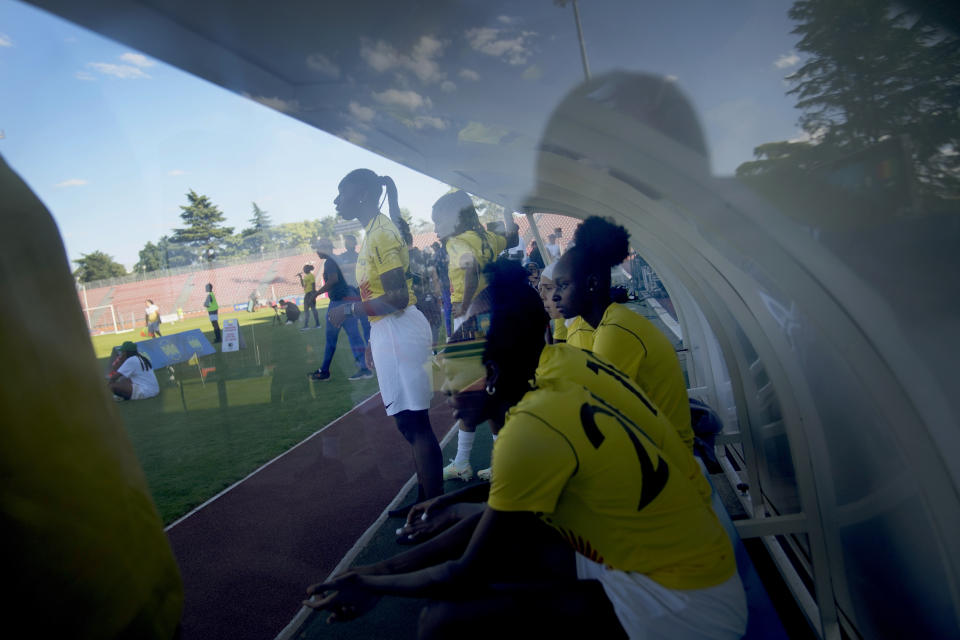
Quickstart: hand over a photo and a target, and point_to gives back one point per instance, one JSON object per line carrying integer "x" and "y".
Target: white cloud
{"x": 122, "y": 71}
{"x": 410, "y": 100}
{"x": 279, "y": 104}
{"x": 176, "y": 172}
{"x": 84, "y": 75}
{"x": 322, "y": 64}
{"x": 469, "y": 74}
{"x": 506, "y": 19}
{"x": 511, "y": 48}
{"x": 5, "y": 40}
{"x": 533, "y": 72}
{"x": 421, "y": 61}
{"x": 72, "y": 182}
{"x": 137, "y": 59}
{"x": 352, "y": 135}
{"x": 428, "y": 122}
{"x": 787, "y": 60}
{"x": 672, "y": 78}
{"x": 447, "y": 87}
{"x": 361, "y": 113}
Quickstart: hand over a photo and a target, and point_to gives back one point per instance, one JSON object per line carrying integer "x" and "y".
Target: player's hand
{"x": 422, "y": 510}
{"x": 439, "y": 517}
{"x": 368, "y": 358}
{"x": 346, "y": 597}
{"x": 337, "y": 315}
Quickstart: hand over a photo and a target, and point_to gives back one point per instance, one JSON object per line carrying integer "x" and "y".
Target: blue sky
{"x": 112, "y": 140}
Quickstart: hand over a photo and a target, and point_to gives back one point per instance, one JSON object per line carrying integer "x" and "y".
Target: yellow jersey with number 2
{"x": 383, "y": 250}
{"x": 598, "y": 478}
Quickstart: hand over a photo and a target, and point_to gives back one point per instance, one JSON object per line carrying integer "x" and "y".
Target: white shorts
{"x": 648, "y": 610}
{"x": 141, "y": 392}
{"x": 400, "y": 344}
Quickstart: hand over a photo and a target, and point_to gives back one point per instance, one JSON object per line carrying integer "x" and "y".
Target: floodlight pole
{"x": 583, "y": 46}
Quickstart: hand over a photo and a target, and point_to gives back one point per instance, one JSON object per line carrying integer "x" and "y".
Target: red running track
{"x": 247, "y": 556}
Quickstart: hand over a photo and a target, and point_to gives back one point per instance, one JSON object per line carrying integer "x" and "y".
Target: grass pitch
{"x": 214, "y": 424}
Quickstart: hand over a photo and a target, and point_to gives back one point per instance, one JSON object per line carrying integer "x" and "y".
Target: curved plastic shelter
{"x": 816, "y": 292}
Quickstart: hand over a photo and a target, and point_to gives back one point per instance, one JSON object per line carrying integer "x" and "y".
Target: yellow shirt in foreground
{"x": 466, "y": 252}
{"x": 634, "y": 345}
{"x": 383, "y": 250}
{"x": 580, "y": 334}
{"x": 598, "y": 478}
{"x": 563, "y": 362}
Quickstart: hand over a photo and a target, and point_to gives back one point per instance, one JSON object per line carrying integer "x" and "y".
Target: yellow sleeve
{"x": 497, "y": 242}
{"x": 532, "y": 462}
{"x": 386, "y": 251}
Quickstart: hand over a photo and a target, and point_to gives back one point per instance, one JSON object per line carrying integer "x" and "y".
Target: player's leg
{"x": 332, "y": 335}
{"x": 415, "y": 427}
{"x": 357, "y": 345}
{"x": 122, "y": 387}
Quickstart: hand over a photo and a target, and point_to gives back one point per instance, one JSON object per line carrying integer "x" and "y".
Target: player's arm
{"x": 498, "y": 550}
{"x": 471, "y": 280}
{"x": 395, "y": 295}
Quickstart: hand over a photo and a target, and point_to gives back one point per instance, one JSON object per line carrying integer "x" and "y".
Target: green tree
{"x": 259, "y": 236}
{"x": 204, "y": 231}
{"x": 97, "y": 266}
{"x": 151, "y": 259}
{"x": 872, "y": 71}
{"x": 175, "y": 254}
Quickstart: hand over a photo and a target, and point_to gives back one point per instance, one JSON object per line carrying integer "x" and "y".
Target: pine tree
{"x": 204, "y": 230}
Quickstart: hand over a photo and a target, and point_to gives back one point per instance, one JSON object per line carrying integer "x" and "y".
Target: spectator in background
{"x": 340, "y": 293}
{"x": 546, "y": 288}
{"x": 534, "y": 256}
{"x": 290, "y": 311}
{"x": 134, "y": 379}
{"x": 441, "y": 263}
{"x": 309, "y": 283}
{"x": 427, "y": 289}
{"x": 152, "y": 317}
{"x": 553, "y": 249}
{"x": 348, "y": 260}
{"x": 210, "y": 304}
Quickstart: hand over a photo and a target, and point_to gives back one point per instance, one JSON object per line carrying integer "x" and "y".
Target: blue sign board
{"x": 176, "y": 347}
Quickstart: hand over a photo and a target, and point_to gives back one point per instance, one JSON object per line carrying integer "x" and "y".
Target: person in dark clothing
{"x": 290, "y": 310}
{"x": 210, "y": 304}
{"x": 535, "y": 256}
{"x": 340, "y": 293}
{"x": 441, "y": 262}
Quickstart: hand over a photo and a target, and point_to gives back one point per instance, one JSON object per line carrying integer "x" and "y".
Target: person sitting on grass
{"x": 134, "y": 379}
{"x": 591, "y": 528}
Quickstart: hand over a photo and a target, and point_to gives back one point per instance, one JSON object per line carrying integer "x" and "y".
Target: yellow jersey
{"x": 585, "y": 368}
{"x": 635, "y": 346}
{"x": 383, "y": 250}
{"x": 599, "y": 479}
{"x": 580, "y": 334}
{"x": 308, "y": 282}
{"x": 466, "y": 253}
{"x": 559, "y": 330}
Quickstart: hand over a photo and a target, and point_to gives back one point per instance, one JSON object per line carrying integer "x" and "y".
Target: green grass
{"x": 200, "y": 436}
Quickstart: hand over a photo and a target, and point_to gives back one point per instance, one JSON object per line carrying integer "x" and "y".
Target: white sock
{"x": 495, "y": 437}
{"x": 464, "y": 447}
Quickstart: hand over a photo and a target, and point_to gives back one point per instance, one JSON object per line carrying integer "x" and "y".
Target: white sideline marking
{"x": 666, "y": 318}
{"x": 267, "y": 464}
{"x": 298, "y": 620}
